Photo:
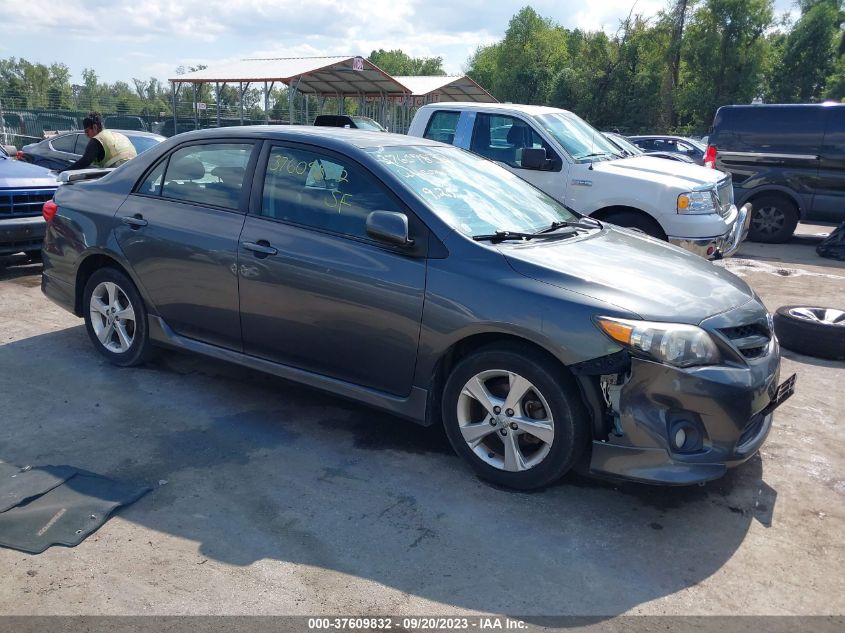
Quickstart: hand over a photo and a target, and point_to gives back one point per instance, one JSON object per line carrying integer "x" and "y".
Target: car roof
{"x": 340, "y": 137}
{"x": 532, "y": 110}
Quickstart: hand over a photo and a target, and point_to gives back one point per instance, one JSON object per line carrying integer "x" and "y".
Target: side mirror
{"x": 535, "y": 158}
{"x": 389, "y": 227}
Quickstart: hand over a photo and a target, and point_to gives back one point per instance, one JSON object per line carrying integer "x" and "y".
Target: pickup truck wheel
{"x": 515, "y": 416}
{"x": 639, "y": 221}
{"x": 773, "y": 219}
{"x": 811, "y": 330}
{"x": 116, "y": 319}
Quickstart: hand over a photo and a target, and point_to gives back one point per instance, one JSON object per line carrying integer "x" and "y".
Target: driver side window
{"x": 502, "y": 138}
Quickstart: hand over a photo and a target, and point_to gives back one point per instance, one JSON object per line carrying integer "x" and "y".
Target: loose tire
{"x": 632, "y": 220}
{"x": 116, "y": 318}
{"x": 515, "y": 416}
{"x": 810, "y": 330}
{"x": 773, "y": 219}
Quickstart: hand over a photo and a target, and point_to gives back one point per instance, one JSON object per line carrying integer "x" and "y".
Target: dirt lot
{"x": 275, "y": 499}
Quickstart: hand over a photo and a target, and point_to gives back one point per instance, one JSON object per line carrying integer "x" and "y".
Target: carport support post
{"x": 241, "y": 100}
{"x": 175, "y": 120}
{"x": 217, "y": 92}
{"x": 266, "y": 105}
{"x": 307, "y": 116}
{"x": 196, "y": 109}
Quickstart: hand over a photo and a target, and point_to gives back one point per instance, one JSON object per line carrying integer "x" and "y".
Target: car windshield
{"x": 143, "y": 143}
{"x": 470, "y": 193}
{"x": 582, "y": 141}
{"x": 625, "y": 144}
{"x": 366, "y": 123}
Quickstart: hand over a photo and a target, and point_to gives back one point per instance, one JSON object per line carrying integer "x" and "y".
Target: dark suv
{"x": 787, "y": 160}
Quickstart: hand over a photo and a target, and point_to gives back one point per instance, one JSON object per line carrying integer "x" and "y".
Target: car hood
{"x": 651, "y": 168}
{"x": 17, "y": 174}
{"x": 633, "y": 272}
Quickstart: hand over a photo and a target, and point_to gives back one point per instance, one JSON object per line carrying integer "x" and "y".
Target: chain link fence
{"x": 194, "y": 109}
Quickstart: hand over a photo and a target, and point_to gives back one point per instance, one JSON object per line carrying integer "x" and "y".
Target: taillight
{"x": 710, "y": 157}
{"x": 20, "y": 155}
{"x": 49, "y": 210}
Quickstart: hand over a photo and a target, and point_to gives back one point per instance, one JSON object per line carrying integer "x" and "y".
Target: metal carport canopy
{"x": 329, "y": 76}
{"x": 446, "y": 88}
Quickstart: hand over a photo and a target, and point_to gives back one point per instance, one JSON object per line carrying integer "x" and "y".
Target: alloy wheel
{"x": 827, "y": 316}
{"x": 505, "y": 420}
{"x": 112, "y": 317}
{"x": 768, "y": 220}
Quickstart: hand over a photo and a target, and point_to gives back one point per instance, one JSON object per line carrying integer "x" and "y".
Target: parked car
{"x": 680, "y": 145}
{"x": 787, "y": 160}
{"x": 345, "y": 120}
{"x": 125, "y": 122}
{"x": 23, "y": 190}
{"x": 627, "y": 148}
{"x": 556, "y": 151}
{"x": 57, "y": 152}
{"x": 429, "y": 282}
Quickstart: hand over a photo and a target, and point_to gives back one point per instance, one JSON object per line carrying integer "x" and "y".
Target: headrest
{"x": 229, "y": 175}
{"x": 516, "y": 135}
{"x": 186, "y": 168}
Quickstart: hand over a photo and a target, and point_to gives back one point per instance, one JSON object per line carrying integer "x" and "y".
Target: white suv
{"x": 558, "y": 152}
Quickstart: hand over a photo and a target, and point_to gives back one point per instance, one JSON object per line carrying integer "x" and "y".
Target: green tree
{"x": 809, "y": 53}
{"x": 725, "y": 52}
{"x": 396, "y": 62}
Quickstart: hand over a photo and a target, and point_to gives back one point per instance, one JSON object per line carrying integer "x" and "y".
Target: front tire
{"x": 638, "y": 221}
{"x": 515, "y": 416}
{"x": 116, "y": 319}
{"x": 773, "y": 219}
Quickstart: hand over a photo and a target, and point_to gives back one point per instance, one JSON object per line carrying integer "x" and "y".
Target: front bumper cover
{"x": 722, "y": 245}
{"x": 733, "y": 406}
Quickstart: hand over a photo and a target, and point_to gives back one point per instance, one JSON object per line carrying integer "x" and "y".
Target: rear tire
{"x": 639, "y": 221}
{"x": 773, "y": 219}
{"x": 540, "y": 430}
{"x": 116, "y": 318}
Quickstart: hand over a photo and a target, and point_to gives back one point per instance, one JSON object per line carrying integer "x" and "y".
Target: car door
{"x": 502, "y": 138}
{"x": 316, "y": 292}
{"x": 829, "y": 198}
{"x": 179, "y": 232}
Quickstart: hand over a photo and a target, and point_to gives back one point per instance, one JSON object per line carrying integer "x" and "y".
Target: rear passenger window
{"x": 207, "y": 174}
{"x": 64, "y": 143}
{"x": 321, "y": 192}
{"x": 442, "y": 126}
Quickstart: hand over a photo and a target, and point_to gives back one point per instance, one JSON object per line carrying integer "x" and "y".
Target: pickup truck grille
{"x": 750, "y": 340}
{"x": 20, "y": 203}
{"x": 725, "y": 192}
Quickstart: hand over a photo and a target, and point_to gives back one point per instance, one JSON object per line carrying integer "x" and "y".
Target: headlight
{"x": 698, "y": 202}
{"x": 673, "y": 343}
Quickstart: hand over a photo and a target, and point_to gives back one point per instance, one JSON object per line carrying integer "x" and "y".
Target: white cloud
{"x": 138, "y": 37}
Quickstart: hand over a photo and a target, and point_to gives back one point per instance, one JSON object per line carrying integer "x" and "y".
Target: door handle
{"x": 134, "y": 221}
{"x": 262, "y": 247}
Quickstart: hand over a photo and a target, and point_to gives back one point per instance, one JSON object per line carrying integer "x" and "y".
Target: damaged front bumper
{"x": 681, "y": 426}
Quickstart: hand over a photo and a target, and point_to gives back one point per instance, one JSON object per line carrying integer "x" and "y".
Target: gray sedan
{"x": 423, "y": 280}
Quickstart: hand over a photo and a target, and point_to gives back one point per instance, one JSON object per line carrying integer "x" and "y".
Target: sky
{"x": 122, "y": 39}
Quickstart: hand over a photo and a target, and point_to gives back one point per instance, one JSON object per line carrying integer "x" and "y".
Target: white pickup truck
{"x": 558, "y": 152}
